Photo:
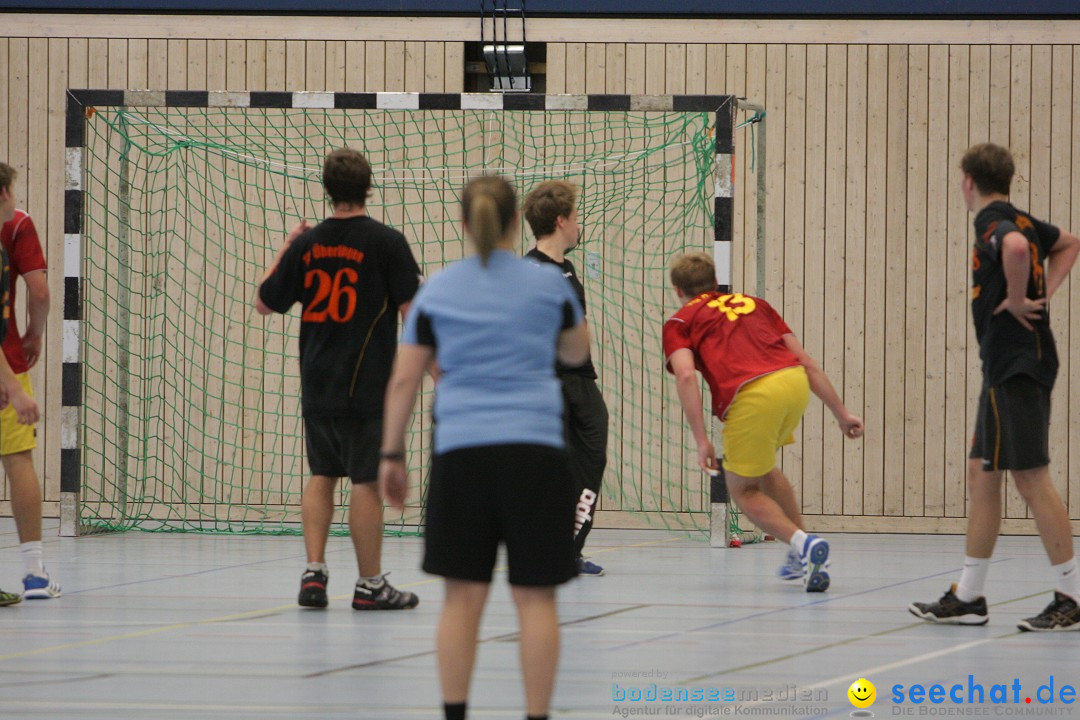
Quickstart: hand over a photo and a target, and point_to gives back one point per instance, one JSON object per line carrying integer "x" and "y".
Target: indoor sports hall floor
{"x": 190, "y": 626}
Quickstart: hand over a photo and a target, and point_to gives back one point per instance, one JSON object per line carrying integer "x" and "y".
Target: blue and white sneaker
{"x": 792, "y": 569}
{"x": 586, "y": 567}
{"x": 814, "y": 559}
{"x": 40, "y": 587}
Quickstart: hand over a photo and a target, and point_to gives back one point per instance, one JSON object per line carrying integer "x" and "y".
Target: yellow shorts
{"x": 16, "y": 438}
{"x": 762, "y": 419}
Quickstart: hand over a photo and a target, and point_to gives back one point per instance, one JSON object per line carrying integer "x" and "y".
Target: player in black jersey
{"x": 1018, "y": 263}
{"x": 352, "y": 276}
{"x": 551, "y": 211}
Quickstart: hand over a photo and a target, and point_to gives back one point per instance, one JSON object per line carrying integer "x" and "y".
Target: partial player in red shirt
{"x": 18, "y": 435}
{"x": 760, "y": 378}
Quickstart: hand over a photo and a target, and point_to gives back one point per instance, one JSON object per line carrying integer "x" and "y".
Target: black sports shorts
{"x": 343, "y": 447}
{"x": 1012, "y": 427}
{"x": 520, "y": 495}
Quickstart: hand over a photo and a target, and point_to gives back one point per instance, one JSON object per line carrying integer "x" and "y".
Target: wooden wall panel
{"x": 857, "y": 294}
{"x": 789, "y": 302}
{"x": 867, "y": 239}
{"x": 938, "y": 180}
{"x": 877, "y": 163}
{"x": 834, "y": 228}
{"x": 816, "y": 247}
{"x": 958, "y": 320}
{"x": 915, "y": 292}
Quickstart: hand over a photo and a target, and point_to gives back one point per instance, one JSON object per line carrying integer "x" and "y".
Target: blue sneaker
{"x": 792, "y": 569}
{"x": 814, "y": 557}
{"x": 40, "y": 587}
{"x": 584, "y": 567}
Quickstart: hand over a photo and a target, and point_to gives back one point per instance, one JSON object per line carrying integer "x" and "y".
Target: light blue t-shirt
{"x": 494, "y": 330}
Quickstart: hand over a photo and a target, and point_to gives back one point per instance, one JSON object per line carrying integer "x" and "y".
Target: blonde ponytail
{"x": 484, "y": 225}
{"x": 489, "y": 206}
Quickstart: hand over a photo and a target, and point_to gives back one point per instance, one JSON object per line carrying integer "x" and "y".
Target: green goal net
{"x": 191, "y": 416}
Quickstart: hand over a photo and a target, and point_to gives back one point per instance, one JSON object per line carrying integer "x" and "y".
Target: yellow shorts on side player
{"x": 16, "y": 438}
{"x": 762, "y": 419}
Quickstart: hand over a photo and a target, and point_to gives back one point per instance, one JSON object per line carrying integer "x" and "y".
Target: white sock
{"x": 32, "y": 558}
{"x": 798, "y": 540}
{"x": 319, "y": 567}
{"x": 373, "y": 583}
{"x": 972, "y": 579}
{"x": 1068, "y": 579}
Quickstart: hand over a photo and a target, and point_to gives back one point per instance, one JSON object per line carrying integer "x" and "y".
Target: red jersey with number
{"x": 20, "y": 240}
{"x": 735, "y": 339}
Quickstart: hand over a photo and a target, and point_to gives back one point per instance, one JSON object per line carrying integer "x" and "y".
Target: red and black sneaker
{"x": 313, "y": 589}
{"x": 382, "y": 597}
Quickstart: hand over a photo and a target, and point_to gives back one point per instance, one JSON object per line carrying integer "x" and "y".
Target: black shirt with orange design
{"x": 350, "y": 277}
{"x": 1006, "y": 347}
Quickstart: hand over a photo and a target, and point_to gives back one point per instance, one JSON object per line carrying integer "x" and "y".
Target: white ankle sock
{"x": 373, "y": 583}
{"x": 319, "y": 567}
{"x": 972, "y": 579}
{"x": 1068, "y": 579}
{"x": 797, "y": 541}
{"x": 32, "y": 558}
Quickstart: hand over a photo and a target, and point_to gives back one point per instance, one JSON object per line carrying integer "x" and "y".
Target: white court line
{"x": 846, "y": 678}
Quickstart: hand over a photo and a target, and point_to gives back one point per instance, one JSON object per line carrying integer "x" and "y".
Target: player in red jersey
{"x": 18, "y": 434}
{"x": 760, "y": 378}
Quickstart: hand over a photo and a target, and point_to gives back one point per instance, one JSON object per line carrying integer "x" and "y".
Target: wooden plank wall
{"x": 867, "y": 239}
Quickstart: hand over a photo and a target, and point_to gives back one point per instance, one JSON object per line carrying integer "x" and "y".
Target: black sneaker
{"x": 313, "y": 589}
{"x": 950, "y": 610}
{"x": 386, "y": 597}
{"x": 1059, "y": 616}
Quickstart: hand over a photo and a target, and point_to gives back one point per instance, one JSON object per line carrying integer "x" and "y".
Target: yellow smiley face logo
{"x": 862, "y": 693}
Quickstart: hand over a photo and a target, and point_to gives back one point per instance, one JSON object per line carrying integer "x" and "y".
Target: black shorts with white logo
{"x": 1012, "y": 427}
{"x": 343, "y": 447}
{"x": 520, "y": 495}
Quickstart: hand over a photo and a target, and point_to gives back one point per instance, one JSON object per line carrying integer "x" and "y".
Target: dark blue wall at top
{"x": 892, "y": 8}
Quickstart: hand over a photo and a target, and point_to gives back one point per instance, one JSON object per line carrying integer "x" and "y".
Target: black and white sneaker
{"x": 1062, "y": 615}
{"x": 951, "y": 610}
{"x": 313, "y": 589}
{"x": 382, "y": 597}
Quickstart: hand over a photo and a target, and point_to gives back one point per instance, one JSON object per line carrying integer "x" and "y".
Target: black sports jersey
{"x": 567, "y": 267}
{"x": 1005, "y": 346}
{"x": 350, "y": 276}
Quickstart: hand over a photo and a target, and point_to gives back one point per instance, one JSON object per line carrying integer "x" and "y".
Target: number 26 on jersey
{"x": 335, "y": 297}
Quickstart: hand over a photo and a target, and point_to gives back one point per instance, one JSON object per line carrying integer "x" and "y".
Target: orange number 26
{"x": 329, "y": 294}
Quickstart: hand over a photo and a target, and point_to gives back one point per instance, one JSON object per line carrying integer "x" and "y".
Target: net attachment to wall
{"x": 191, "y": 416}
